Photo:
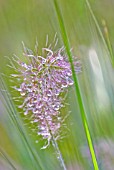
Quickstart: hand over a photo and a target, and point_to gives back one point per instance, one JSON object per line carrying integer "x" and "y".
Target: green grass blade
{"x": 7, "y": 159}
{"x": 109, "y": 45}
{"x": 106, "y": 42}
{"x": 77, "y": 89}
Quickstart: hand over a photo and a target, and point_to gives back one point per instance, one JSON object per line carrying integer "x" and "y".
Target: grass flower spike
{"x": 44, "y": 81}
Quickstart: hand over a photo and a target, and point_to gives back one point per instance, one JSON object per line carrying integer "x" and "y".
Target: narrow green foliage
{"x": 77, "y": 89}
{"x": 7, "y": 159}
{"x": 106, "y": 42}
{"x": 109, "y": 45}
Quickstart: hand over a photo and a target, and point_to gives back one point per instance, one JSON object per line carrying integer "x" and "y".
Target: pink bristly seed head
{"x": 44, "y": 80}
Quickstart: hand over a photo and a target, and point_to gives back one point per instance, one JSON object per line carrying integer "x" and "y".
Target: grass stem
{"x": 59, "y": 155}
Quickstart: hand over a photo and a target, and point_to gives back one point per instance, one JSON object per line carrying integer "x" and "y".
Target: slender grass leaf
{"x": 106, "y": 42}
{"x": 3, "y": 154}
{"x": 76, "y": 83}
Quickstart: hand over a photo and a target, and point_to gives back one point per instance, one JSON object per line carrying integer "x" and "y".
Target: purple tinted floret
{"x": 44, "y": 80}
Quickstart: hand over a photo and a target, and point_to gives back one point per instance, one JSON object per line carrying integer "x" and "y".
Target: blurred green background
{"x": 90, "y": 31}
